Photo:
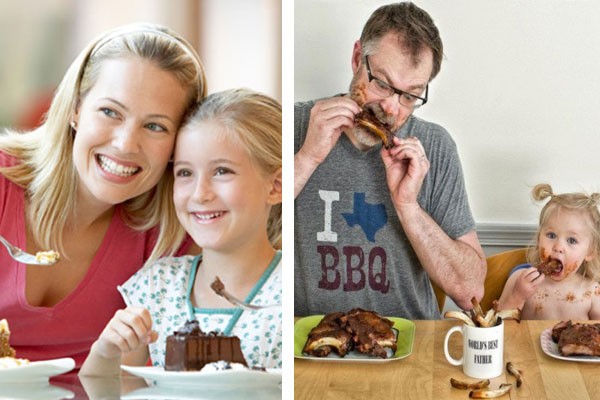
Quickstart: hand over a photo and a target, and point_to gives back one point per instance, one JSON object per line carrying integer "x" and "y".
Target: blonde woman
{"x": 227, "y": 194}
{"x": 569, "y": 235}
{"x": 93, "y": 183}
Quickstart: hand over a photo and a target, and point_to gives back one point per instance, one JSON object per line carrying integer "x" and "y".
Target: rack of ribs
{"x": 371, "y": 333}
{"x": 577, "y": 339}
{"x": 364, "y": 331}
{"x": 329, "y": 335}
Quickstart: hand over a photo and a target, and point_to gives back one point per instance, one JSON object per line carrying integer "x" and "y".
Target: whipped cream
{"x": 10, "y": 362}
{"x": 222, "y": 366}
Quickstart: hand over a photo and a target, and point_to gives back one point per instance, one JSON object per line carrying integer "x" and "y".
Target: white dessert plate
{"x": 551, "y": 349}
{"x": 231, "y": 378}
{"x": 36, "y": 371}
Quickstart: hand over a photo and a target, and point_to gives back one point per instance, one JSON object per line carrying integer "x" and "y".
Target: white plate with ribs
{"x": 551, "y": 349}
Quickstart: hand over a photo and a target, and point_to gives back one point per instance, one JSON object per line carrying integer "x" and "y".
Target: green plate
{"x": 404, "y": 340}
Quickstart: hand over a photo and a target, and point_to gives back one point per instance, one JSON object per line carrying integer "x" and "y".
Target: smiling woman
{"x": 92, "y": 182}
{"x": 126, "y": 126}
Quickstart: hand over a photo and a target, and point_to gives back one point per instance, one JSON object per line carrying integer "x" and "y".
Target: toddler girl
{"x": 569, "y": 232}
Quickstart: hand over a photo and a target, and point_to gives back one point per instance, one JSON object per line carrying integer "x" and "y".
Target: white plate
{"x": 551, "y": 349}
{"x": 231, "y": 378}
{"x": 36, "y": 371}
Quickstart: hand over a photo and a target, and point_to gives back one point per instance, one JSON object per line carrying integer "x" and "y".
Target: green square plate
{"x": 404, "y": 340}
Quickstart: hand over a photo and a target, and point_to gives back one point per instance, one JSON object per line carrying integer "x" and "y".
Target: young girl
{"x": 227, "y": 195}
{"x": 569, "y": 232}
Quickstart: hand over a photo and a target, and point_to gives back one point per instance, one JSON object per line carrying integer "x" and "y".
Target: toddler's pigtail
{"x": 542, "y": 191}
{"x": 595, "y": 199}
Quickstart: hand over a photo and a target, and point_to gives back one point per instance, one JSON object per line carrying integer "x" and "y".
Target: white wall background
{"x": 519, "y": 90}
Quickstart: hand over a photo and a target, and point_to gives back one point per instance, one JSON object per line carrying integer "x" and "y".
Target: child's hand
{"x": 128, "y": 330}
{"x": 527, "y": 283}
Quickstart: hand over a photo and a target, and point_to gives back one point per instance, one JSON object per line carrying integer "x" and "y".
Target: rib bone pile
{"x": 364, "y": 331}
{"x": 477, "y": 317}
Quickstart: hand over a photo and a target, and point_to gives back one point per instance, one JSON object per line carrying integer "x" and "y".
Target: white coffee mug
{"x": 483, "y": 350}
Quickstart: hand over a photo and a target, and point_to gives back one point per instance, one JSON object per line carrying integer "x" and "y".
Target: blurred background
{"x": 239, "y": 42}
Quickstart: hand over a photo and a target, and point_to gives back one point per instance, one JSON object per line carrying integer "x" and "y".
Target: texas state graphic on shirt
{"x": 369, "y": 217}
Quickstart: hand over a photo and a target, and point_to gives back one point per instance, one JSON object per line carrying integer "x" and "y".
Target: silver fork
{"x": 219, "y": 288}
{"x": 24, "y": 257}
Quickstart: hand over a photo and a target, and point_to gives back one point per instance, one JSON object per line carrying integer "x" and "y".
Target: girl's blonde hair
{"x": 45, "y": 168}
{"x": 254, "y": 121}
{"x": 587, "y": 205}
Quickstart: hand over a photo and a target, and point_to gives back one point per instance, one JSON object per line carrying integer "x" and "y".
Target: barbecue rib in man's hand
{"x": 578, "y": 338}
{"x": 367, "y": 119}
{"x": 371, "y": 333}
{"x": 328, "y": 335}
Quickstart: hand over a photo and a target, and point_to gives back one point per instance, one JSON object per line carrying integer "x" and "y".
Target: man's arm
{"x": 457, "y": 266}
{"x": 328, "y": 119}
{"x": 303, "y": 170}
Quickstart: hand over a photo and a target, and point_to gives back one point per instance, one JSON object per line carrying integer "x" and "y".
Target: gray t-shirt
{"x": 350, "y": 248}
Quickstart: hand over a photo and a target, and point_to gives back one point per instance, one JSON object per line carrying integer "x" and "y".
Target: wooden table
{"x": 426, "y": 373}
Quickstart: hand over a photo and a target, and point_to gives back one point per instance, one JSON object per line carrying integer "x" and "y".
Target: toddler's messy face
{"x": 566, "y": 237}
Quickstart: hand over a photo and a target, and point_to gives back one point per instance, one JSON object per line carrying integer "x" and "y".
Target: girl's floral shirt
{"x": 164, "y": 288}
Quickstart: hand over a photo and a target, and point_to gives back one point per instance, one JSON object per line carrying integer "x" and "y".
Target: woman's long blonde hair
{"x": 45, "y": 166}
{"x": 254, "y": 121}
{"x": 586, "y": 204}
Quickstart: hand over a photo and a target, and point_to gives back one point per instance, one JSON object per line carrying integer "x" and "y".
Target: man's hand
{"x": 328, "y": 119}
{"x": 406, "y": 166}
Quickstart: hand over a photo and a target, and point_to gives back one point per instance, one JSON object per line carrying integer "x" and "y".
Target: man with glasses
{"x": 374, "y": 226}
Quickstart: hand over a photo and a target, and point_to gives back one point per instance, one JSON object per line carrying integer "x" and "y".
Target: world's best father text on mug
{"x": 483, "y": 350}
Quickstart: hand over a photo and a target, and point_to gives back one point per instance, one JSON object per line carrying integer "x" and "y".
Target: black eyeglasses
{"x": 384, "y": 89}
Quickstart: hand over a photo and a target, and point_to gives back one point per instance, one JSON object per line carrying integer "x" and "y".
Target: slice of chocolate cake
{"x": 5, "y": 349}
{"x": 190, "y": 349}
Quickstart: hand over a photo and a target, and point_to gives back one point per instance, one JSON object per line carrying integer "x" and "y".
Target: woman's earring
{"x": 73, "y": 126}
